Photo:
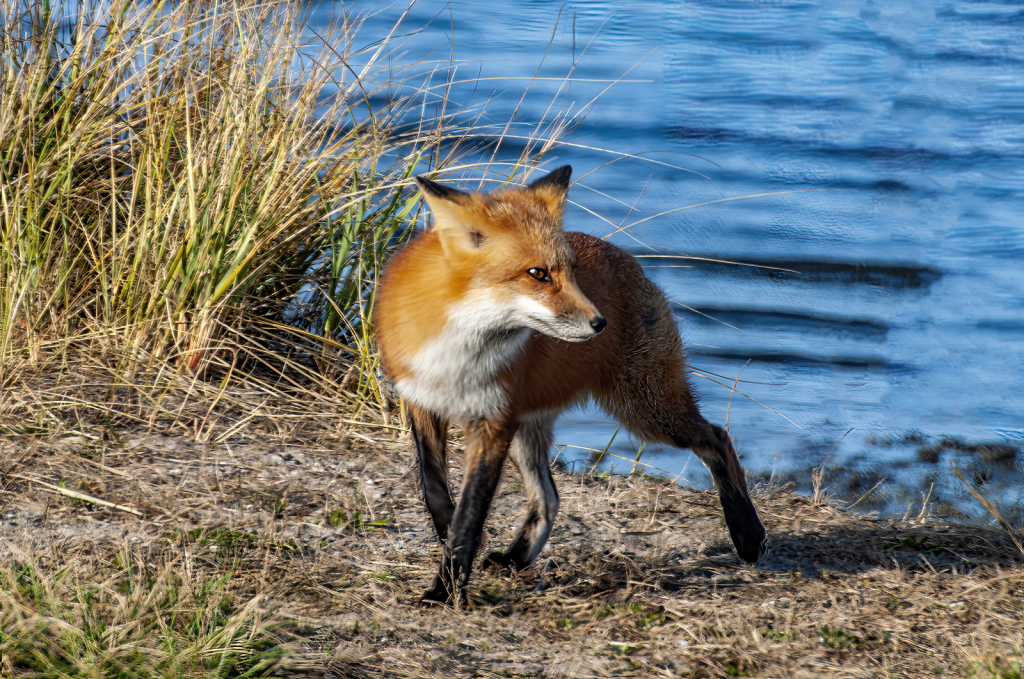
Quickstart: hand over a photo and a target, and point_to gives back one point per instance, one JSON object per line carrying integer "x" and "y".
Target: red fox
{"x": 497, "y": 319}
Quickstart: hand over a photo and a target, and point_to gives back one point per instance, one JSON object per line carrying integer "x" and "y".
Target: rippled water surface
{"x": 888, "y": 299}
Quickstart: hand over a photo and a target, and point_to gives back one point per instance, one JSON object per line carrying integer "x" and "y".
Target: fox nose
{"x": 598, "y": 323}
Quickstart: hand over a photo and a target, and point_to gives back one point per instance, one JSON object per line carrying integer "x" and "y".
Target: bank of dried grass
{"x": 197, "y": 194}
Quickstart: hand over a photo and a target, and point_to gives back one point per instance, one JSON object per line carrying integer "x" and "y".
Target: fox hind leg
{"x": 651, "y": 396}
{"x": 715, "y": 450}
{"x": 676, "y": 421}
{"x": 529, "y": 452}
{"x": 431, "y": 436}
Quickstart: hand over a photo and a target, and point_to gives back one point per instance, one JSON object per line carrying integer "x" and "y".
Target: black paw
{"x": 499, "y": 560}
{"x": 752, "y": 544}
{"x": 745, "y": 529}
{"x": 439, "y": 593}
{"x": 444, "y": 594}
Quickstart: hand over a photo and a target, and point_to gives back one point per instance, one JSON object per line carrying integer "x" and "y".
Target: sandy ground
{"x": 639, "y": 577}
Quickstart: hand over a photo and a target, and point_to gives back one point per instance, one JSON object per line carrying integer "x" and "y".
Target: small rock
{"x": 929, "y": 453}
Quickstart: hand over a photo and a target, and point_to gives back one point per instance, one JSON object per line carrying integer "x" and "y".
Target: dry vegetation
{"x": 303, "y": 556}
{"x": 193, "y": 191}
{"x": 194, "y": 202}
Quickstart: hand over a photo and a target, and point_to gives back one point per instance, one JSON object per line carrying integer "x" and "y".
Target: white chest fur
{"x": 455, "y": 374}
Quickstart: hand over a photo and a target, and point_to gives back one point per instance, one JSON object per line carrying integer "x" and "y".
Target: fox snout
{"x": 579, "y": 329}
{"x": 595, "y": 324}
{"x": 585, "y": 320}
{"x": 586, "y": 323}
{"x": 566, "y": 315}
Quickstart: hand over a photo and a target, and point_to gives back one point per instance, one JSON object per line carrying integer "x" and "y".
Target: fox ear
{"x": 451, "y": 219}
{"x": 433, "y": 190}
{"x": 556, "y": 179}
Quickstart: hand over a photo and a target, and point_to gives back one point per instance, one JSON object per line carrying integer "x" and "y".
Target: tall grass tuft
{"x": 188, "y": 190}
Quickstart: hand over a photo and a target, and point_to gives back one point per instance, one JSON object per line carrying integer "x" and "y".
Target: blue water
{"x": 901, "y": 314}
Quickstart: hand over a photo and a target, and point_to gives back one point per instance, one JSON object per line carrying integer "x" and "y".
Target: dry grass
{"x": 312, "y": 548}
{"x": 198, "y": 197}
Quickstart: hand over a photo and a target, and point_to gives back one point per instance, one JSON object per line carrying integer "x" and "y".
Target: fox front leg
{"x": 431, "y": 436}
{"x": 487, "y": 445}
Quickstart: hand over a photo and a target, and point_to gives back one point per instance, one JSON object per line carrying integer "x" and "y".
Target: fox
{"x": 498, "y": 320}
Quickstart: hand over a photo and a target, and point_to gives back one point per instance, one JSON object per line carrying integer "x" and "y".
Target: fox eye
{"x": 540, "y": 274}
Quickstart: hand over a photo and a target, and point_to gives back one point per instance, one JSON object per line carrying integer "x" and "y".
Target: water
{"x": 902, "y": 312}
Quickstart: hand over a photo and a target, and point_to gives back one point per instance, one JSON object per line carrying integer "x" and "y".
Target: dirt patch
{"x": 329, "y": 536}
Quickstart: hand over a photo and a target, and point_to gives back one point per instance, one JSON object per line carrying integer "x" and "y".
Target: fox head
{"x": 506, "y": 252}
